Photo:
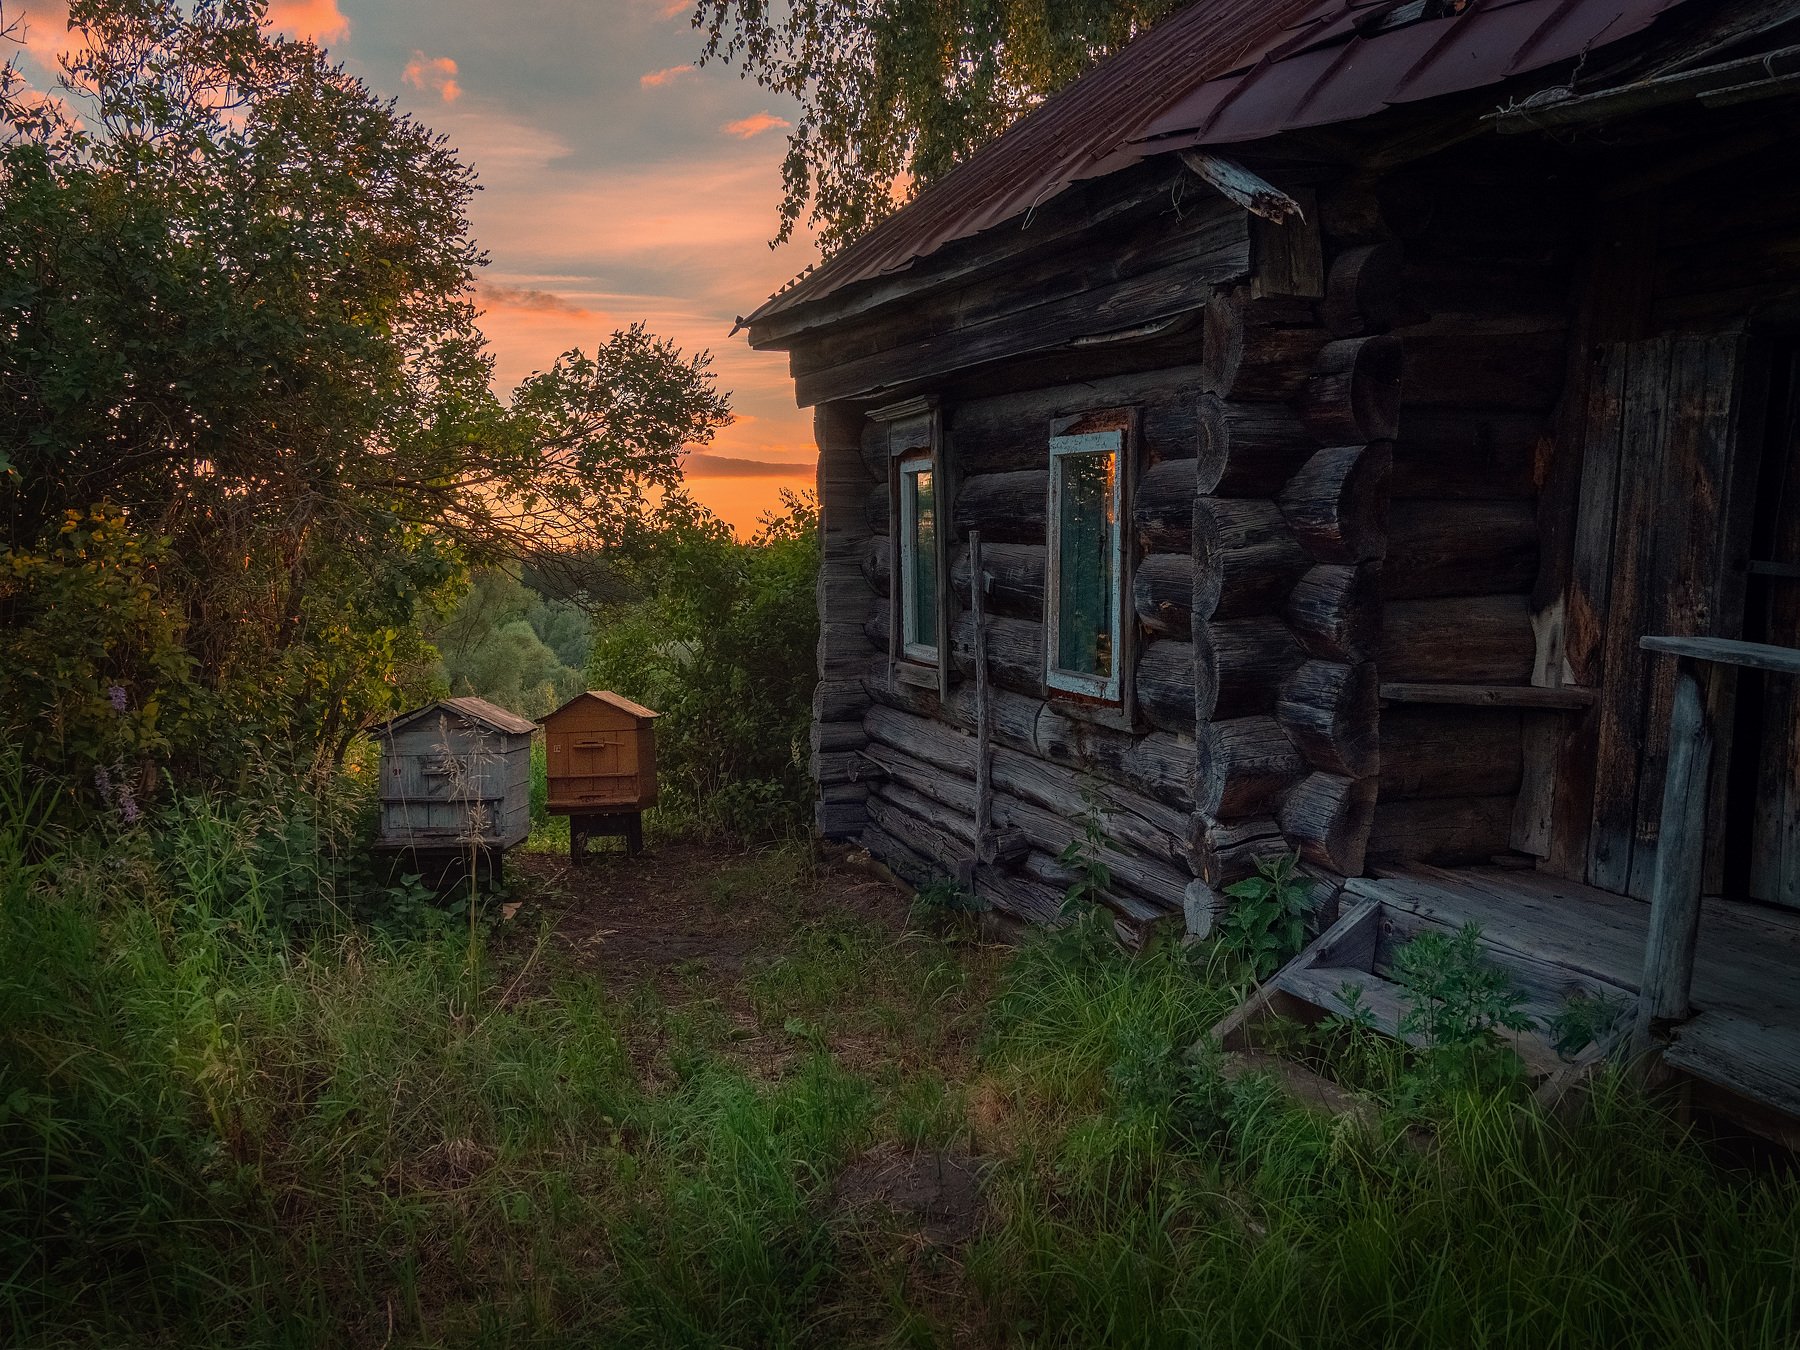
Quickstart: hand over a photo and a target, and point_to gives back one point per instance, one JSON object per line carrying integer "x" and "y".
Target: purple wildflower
{"x": 103, "y": 784}
{"x": 117, "y": 695}
{"x": 128, "y": 807}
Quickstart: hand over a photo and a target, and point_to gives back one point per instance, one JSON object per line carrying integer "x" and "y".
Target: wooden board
{"x": 1754, "y": 1057}
{"x": 1657, "y": 565}
{"x": 1745, "y": 960}
{"x": 1563, "y": 698}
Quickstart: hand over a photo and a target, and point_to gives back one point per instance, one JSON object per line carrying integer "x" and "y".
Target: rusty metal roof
{"x": 1224, "y": 71}
{"x": 607, "y": 696}
{"x": 476, "y": 710}
{"x": 1337, "y": 68}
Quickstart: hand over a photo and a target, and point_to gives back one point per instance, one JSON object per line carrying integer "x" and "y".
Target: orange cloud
{"x": 44, "y": 28}
{"x": 433, "y": 74}
{"x": 494, "y": 295}
{"x": 662, "y": 77}
{"x": 746, "y": 127}
{"x": 312, "y": 20}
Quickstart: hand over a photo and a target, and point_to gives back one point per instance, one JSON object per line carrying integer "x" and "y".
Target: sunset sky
{"x": 619, "y": 183}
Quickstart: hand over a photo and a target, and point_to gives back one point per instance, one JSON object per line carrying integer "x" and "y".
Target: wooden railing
{"x": 1665, "y": 992}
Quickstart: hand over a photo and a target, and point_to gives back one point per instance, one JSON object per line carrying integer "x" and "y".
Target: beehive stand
{"x": 583, "y": 827}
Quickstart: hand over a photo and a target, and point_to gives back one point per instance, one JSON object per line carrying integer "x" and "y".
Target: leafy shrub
{"x": 1456, "y": 1001}
{"x": 1266, "y": 926}
{"x": 1583, "y": 1020}
{"x": 509, "y": 644}
{"x": 1083, "y": 856}
{"x": 720, "y": 640}
{"x": 93, "y": 672}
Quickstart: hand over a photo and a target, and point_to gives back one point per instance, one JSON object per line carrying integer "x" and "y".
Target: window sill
{"x": 1083, "y": 708}
{"x": 915, "y": 674}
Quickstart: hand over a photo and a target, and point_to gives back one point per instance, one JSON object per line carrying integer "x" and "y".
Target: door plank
{"x": 1642, "y": 439}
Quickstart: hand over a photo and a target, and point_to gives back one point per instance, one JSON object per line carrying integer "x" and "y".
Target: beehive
{"x": 600, "y": 749}
{"x": 455, "y": 774}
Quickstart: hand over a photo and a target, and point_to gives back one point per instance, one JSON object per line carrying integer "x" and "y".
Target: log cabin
{"x": 1361, "y": 430}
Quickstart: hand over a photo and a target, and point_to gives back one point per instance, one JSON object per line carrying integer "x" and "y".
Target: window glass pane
{"x": 1084, "y": 532}
{"x": 922, "y": 583}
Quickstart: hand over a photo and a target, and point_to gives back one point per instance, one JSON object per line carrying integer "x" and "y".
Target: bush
{"x": 93, "y": 672}
{"x": 720, "y": 641}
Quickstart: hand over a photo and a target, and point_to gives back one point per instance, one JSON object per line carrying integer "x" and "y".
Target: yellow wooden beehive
{"x": 600, "y": 755}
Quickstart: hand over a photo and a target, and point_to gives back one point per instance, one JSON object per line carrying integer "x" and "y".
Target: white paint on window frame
{"x": 910, "y": 469}
{"x": 1106, "y": 688}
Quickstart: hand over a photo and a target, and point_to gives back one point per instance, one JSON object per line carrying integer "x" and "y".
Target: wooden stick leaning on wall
{"x": 991, "y": 846}
{"x": 984, "y": 730}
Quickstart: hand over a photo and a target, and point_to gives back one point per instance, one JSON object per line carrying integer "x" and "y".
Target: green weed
{"x": 1266, "y": 924}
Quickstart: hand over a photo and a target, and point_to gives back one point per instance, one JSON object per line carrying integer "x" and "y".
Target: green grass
{"x": 232, "y": 1112}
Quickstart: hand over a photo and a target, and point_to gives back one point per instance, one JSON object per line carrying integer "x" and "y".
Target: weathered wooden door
{"x": 1661, "y": 545}
{"x": 1766, "y": 787}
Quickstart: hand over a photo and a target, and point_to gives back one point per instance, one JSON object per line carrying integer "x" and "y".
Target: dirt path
{"x": 686, "y": 908}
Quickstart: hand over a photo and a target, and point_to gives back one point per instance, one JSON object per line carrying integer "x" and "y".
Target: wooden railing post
{"x": 1668, "y": 978}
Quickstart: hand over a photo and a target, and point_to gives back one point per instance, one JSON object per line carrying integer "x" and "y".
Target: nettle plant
{"x": 1266, "y": 924}
{"x": 1457, "y": 1004}
{"x": 1083, "y": 857}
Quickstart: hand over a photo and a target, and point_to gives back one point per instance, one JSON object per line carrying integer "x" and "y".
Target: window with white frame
{"x": 1086, "y": 565}
{"x": 918, "y": 559}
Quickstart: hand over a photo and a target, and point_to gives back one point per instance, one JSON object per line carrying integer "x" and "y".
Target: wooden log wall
{"x": 1317, "y": 408}
{"x": 1478, "y": 287}
{"x": 847, "y": 601}
{"x": 1256, "y": 536}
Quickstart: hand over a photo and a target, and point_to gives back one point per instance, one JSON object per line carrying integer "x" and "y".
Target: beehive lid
{"x": 618, "y": 701}
{"x": 476, "y": 710}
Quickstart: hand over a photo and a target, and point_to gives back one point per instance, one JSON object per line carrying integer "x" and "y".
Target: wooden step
{"x": 1301, "y": 1083}
{"x": 1324, "y": 986}
{"x": 1751, "y": 1057}
{"x": 1356, "y": 951}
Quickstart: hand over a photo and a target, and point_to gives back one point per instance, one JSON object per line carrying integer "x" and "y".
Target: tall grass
{"x": 230, "y": 1119}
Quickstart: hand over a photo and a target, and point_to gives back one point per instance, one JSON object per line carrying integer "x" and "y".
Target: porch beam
{"x": 1666, "y": 988}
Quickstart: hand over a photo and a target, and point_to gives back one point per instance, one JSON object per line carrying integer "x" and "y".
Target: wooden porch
{"x": 1744, "y": 1036}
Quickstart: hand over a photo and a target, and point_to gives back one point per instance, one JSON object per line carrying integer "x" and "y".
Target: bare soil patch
{"x": 933, "y": 1194}
{"x": 683, "y": 909}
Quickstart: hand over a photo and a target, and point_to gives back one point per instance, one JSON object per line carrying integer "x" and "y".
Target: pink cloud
{"x": 662, "y": 77}
{"x": 42, "y": 27}
{"x": 433, "y": 74}
{"x": 754, "y": 125}
{"x": 312, "y": 20}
